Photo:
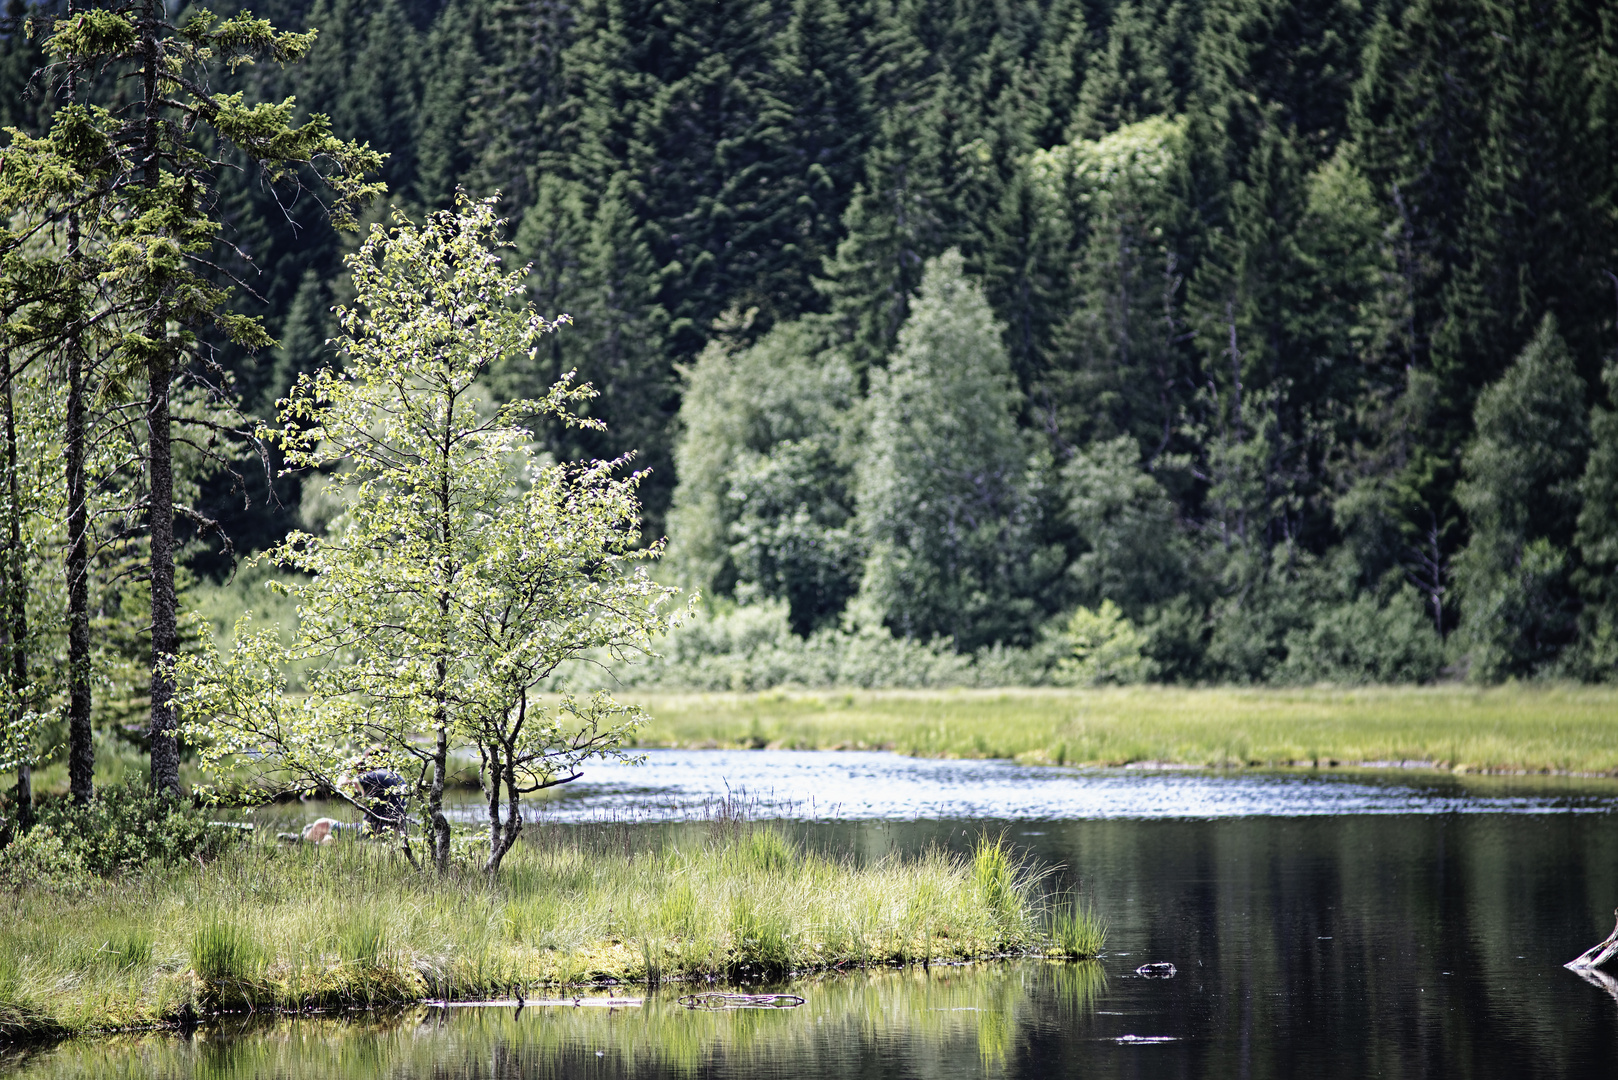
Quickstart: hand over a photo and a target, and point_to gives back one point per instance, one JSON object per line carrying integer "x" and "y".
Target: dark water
{"x": 1307, "y": 944}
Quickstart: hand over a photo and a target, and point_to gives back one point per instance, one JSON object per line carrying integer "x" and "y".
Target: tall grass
{"x": 1542, "y": 727}
{"x": 1076, "y": 931}
{"x": 269, "y": 926}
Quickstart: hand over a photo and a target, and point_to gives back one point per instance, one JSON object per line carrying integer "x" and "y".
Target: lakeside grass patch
{"x": 269, "y": 927}
{"x": 1507, "y": 728}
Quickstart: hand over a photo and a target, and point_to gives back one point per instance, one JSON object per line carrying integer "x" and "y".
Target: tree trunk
{"x": 1596, "y": 955}
{"x": 502, "y": 839}
{"x": 81, "y": 758}
{"x": 160, "y": 455}
{"x": 16, "y": 606}
{"x": 438, "y": 825}
{"x": 165, "y": 619}
{"x": 81, "y": 754}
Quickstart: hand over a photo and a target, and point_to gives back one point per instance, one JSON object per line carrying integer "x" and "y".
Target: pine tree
{"x": 148, "y": 221}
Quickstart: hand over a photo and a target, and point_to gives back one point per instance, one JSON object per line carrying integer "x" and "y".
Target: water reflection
{"x": 942, "y": 1022}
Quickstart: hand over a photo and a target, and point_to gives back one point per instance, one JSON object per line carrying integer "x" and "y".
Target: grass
{"x": 1534, "y": 728}
{"x": 270, "y": 927}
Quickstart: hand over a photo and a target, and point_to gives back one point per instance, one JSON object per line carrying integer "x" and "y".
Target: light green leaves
{"x": 462, "y": 568}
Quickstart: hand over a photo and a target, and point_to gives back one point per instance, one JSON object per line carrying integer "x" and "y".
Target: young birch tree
{"x": 463, "y": 569}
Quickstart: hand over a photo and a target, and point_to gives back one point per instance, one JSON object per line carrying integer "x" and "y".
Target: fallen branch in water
{"x": 1596, "y": 955}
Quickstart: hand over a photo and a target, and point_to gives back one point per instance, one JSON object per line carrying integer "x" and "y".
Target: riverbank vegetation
{"x": 271, "y": 927}
{"x": 1559, "y": 728}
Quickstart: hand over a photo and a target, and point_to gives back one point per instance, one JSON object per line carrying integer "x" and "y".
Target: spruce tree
{"x": 157, "y": 179}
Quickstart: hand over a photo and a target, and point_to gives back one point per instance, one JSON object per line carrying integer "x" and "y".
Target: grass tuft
{"x": 1077, "y": 932}
{"x": 225, "y": 951}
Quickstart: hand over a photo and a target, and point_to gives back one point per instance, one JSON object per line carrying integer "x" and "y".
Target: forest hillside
{"x": 1012, "y": 341}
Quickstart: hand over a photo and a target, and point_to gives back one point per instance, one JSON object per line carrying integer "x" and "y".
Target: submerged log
{"x": 1596, "y": 955}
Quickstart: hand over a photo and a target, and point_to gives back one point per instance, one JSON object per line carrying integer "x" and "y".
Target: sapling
{"x": 463, "y": 568}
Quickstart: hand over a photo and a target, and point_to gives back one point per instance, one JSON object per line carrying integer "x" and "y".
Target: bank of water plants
{"x": 1536, "y": 728}
{"x": 271, "y": 927}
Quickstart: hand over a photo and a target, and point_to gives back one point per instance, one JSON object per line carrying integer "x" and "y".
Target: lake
{"x": 1319, "y": 925}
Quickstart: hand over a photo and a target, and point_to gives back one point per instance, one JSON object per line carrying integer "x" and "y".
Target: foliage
{"x": 120, "y": 831}
{"x": 1236, "y": 279}
{"x": 755, "y": 647}
{"x": 1137, "y": 555}
{"x": 764, "y": 502}
{"x": 1362, "y": 641}
{"x": 944, "y": 509}
{"x": 1521, "y": 491}
{"x": 41, "y": 859}
{"x": 463, "y": 570}
{"x": 1106, "y": 649}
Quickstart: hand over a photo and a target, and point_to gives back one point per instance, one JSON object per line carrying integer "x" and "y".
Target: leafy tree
{"x": 1137, "y": 553}
{"x": 1106, "y": 649}
{"x": 764, "y": 505}
{"x": 942, "y": 488}
{"x": 463, "y": 569}
{"x": 1521, "y": 494}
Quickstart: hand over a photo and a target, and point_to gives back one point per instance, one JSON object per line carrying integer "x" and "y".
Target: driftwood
{"x": 1596, "y": 955}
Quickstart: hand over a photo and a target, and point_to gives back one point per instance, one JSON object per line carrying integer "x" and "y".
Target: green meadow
{"x": 1533, "y": 728}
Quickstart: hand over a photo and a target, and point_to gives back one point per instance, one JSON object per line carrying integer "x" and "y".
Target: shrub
{"x": 1361, "y": 641}
{"x": 126, "y": 827}
{"x": 41, "y": 859}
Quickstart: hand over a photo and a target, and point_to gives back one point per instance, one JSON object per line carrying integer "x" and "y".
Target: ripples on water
{"x": 854, "y": 785}
{"x": 1321, "y": 927}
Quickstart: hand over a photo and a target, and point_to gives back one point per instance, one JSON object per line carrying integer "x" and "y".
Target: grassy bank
{"x": 1509, "y": 728}
{"x": 277, "y": 928}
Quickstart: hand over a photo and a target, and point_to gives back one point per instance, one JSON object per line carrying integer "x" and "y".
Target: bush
{"x": 126, "y": 827}
{"x": 41, "y": 859}
{"x": 1361, "y": 641}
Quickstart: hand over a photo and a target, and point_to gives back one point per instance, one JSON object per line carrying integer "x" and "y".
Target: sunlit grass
{"x": 271, "y": 926}
{"x": 1524, "y": 727}
{"x": 1076, "y": 931}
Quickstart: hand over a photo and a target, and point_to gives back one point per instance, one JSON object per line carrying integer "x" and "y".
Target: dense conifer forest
{"x": 1191, "y": 340}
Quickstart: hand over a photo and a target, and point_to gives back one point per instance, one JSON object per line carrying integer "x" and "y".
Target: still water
{"x": 1320, "y": 927}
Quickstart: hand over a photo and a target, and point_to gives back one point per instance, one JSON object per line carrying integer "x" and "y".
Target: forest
{"x": 1034, "y": 341}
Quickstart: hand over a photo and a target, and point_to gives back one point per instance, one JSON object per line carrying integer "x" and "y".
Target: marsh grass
{"x": 276, "y": 927}
{"x": 1529, "y": 727}
{"x": 1076, "y": 931}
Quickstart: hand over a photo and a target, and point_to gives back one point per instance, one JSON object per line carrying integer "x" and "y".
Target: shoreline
{"x": 1513, "y": 730}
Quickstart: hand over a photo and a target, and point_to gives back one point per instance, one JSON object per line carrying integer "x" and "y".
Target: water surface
{"x": 1320, "y": 927}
